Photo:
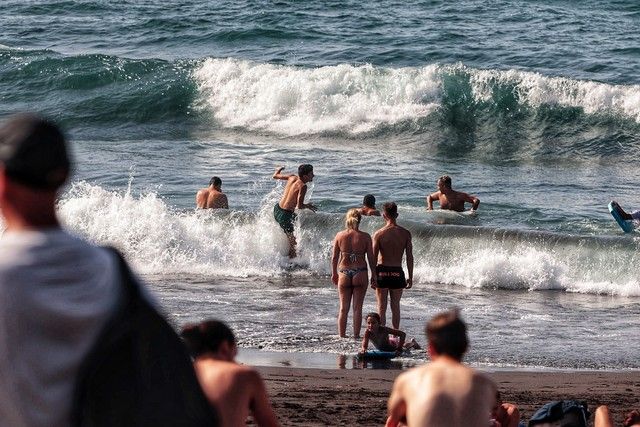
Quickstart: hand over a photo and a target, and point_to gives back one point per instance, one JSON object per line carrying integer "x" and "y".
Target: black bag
{"x": 138, "y": 372}
{"x": 569, "y": 413}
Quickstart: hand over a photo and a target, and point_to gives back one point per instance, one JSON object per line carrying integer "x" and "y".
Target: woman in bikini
{"x": 349, "y": 270}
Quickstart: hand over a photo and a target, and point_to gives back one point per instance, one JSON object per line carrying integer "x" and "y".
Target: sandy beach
{"x": 320, "y": 397}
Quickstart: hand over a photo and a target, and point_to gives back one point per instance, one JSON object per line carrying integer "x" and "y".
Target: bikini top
{"x": 351, "y": 256}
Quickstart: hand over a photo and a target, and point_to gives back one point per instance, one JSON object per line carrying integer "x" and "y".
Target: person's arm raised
{"x": 278, "y": 175}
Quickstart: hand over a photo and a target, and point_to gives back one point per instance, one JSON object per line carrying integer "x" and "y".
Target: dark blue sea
{"x": 532, "y": 106}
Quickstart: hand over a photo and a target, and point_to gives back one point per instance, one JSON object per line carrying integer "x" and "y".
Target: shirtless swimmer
{"x": 449, "y": 198}
{"x": 292, "y": 199}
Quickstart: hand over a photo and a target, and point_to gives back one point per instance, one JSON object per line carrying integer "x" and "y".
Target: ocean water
{"x": 532, "y": 106}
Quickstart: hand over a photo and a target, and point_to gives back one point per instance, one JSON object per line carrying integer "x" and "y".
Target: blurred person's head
{"x": 210, "y": 338}
{"x": 34, "y": 164}
{"x": 447, "y": 335}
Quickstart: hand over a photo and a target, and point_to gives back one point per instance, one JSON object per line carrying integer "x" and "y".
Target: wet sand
{"x": 322, "y": 397}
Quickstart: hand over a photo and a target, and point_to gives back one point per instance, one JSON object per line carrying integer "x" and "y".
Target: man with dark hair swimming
{"x": 450, "y": 199}
{"x": 212, "y": 197}
{"x": 292, "y": 199}
{"x": 369, "y": 206}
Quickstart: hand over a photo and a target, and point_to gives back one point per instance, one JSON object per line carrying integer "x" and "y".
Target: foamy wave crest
{"x": 536, "y": 90}
{"x": 159, "y": 240}
{"x": 477, "y": 257}
{"x": 353, "y": 100}
{"x": 293, "y": 101}
{"x": 527, "y": 268}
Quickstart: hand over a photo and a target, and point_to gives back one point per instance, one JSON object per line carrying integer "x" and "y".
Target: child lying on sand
{"x": 380, "y": 337}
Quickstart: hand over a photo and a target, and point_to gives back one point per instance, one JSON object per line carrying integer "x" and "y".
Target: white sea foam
{"x": 293, "y": 101}
{"x": 161, "y": 240}
{"x": 354, "y": 100}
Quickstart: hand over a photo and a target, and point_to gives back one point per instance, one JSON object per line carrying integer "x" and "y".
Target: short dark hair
{"x": 215, "y": 181}
{"x": 34, "y": 153}
{"x": 304, "y": 169}
{"x": 390, "y": 209}
{"x": 369, "y": 201}
{"x": 374, "y": 315}
{"x": 446, "y": 180}
{"x": 447, "y": 333}
{"x": 206, "y": 337}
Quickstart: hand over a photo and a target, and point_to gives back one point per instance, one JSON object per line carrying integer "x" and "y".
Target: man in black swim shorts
{"x": 390, "y": 277}
{"x": 390, "y": 244}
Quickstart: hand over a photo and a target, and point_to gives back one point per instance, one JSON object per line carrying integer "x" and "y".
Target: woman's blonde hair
{"x": 353, "y": 218}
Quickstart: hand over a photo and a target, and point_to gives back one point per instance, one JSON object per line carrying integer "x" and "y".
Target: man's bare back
{"x": 294, "y": 192}
{"x": 212, "y": 197}
{"x": 443, "y": 393}
{"x": 392, "y": 241}
{"x": 234, "y": 389}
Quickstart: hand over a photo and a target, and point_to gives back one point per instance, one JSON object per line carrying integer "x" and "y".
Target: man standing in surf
{"x": 449, "y": 198}
{"x": 212, "y": 197}
{"x": 292, "y": 199}
{"x": 390, "y": 243}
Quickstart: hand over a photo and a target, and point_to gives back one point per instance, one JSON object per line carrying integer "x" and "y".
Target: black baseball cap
{"x": 33, "y": 152}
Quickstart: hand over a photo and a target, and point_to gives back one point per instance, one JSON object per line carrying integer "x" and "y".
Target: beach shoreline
{"x": 317, "y": 397}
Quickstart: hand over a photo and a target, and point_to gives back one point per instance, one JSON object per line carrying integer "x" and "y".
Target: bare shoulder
{"x": 364, "y": 234}
{"x": 482, "y": 379}
{"x": 413, "y": 374}
{"x": 405, "y": 232}
{"x": 248, "y": 375}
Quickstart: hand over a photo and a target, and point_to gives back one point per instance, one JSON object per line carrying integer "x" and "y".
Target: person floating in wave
{"x": 450, "y": 199}
{"x": 384, "y": 338}
{"x": 369, "y": 206}
{"x": 389, "y": 246}
{"x": 292, "y": 199}
{"x": 212, "y": 197}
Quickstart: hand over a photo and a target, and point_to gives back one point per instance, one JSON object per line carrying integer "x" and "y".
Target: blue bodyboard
{"x": 626, "y": 225}
{"x": 377, "y": 354}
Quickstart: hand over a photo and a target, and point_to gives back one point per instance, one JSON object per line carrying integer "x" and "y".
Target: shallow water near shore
{"x": 533, "y": 107}
{"x": 276, "y": 317}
